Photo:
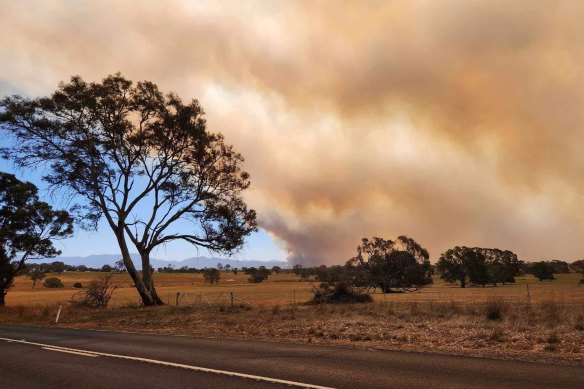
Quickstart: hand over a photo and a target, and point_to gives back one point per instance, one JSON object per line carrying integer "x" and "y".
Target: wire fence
{"x": 272, "y": 295}
{"x": 538, "y": 293}
{"x": 240, "y": 298}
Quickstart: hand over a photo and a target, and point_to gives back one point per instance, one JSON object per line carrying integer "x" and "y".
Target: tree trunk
{"x": 2, "y": 298}
{"x": 147, "y": 277}
{"x": 463, "y": 282}
{"x": 143, "y": 291}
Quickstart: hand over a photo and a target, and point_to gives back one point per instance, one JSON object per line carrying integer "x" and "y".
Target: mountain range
{"x": 97, "y": 261}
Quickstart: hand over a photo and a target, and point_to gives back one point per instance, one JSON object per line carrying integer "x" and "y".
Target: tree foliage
{"x": 542, "y": 270}
{"x": 36, "y": 273}
{"x": 478, "y": 266}
{"x": 391, "y": 266}
{"x": 257, "y": 275}
{"x": 212, "y": 275}
{"x": 27, "y": 228}
{"x": 142, "y": 160}
{"x": 53, "y": 282}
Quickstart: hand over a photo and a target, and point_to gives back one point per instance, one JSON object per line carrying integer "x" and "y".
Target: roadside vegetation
{"x": 548, "y": 331}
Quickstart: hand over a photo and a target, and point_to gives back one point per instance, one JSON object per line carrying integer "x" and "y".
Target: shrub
{"x": 495, "y": 308}
{"x": 257, "y": 278}
{"x": 341, "y": 292}
{"x": 211, "y": 276}
{"x": 98, "y": 293}
{"x": 53, "y": 282}
{"x": 257, "y": 275}
{"x": 77, "y": 285}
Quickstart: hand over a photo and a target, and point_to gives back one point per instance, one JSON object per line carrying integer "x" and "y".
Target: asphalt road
{"x": 34, "y": 357}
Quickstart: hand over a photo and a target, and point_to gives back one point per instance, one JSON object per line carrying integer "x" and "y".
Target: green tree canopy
{"x": 391, "y": 266}
{"x": 463, "y": 264}
{"x": 142, "y": 160}
{"x": 27, "y": 228}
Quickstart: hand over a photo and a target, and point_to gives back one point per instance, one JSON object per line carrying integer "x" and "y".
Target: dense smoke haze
{"x": 453, "y": 122}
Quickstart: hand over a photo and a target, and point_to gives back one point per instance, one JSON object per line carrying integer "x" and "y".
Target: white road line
{"x": 70, "y": 352}
{"x": 171, "y": 364}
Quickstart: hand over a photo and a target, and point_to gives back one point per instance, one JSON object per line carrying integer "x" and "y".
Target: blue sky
{"x": 259, "y": 246}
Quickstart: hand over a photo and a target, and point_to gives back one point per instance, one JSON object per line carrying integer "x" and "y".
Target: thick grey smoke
{"x": 453, "y": 122}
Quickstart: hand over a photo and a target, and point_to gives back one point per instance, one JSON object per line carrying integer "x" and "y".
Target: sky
{"x": 452, "y": 122}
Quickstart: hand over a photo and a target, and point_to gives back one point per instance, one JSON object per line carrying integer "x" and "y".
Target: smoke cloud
{"x": 453, "y": 122}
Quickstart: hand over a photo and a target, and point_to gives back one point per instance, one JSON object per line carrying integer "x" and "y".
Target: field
{"x": 283, "y": 289}
{"x": 546, "y": 325}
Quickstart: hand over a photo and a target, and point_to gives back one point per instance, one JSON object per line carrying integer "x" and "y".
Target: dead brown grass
{"x": 546, "y": 331}
{"x": 502, "y": 322}
{"x": 283, "y": 289}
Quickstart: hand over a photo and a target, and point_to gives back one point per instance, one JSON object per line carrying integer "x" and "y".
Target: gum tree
{"x": 392, "y": 266}
{"x": 142, "y": 160}
{"x": 27, "y": 228}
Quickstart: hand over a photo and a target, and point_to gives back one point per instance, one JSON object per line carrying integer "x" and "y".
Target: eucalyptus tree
{"x": 142, "y": 160}
{"x": 27, "y": 228}
{"x": 391, "y": 266}
{"x": 463, "y": 264}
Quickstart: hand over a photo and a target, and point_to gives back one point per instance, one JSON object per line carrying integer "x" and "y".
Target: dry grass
{"x": 496, "y": 322}
{"x": 547, "y": 331}
{"x": 283, "y": 289}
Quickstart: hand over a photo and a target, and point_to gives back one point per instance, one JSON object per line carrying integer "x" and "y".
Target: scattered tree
{"x": 257, "y": 275}
{"x": 276, "y": 269}
{"x": 502, "y": 265}
{"x": 299, "y": 270}
{"x": 82, "y": 268}
{"x": 577, "y": 266}
{"x": 542, "y": 270}
{"x": 211, "y": 276}
{"x": 391, "y": 266}
{"x": 106, "y": 269}
{"x": 27, "y": 228}
{"x": 36, "y": 273}
{"x": 463, "y": 264}
{"x": 119, "y": 147}
{"x": 119, "y": 266}
{"x": 560, "y": 267}
{"x": 57, "y": 267}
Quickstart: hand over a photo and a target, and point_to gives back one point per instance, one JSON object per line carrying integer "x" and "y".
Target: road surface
{"x": 35, "y": 357}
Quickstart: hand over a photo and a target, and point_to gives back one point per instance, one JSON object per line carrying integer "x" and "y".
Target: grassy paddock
{"x": 545, "y": 331}
{"x": 283, "y": 289}
{"x": 499, "y": 322}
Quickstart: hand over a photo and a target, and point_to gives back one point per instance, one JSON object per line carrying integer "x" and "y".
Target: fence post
{"x": 58, "y": 314}
{"x": 294, "y": 296}
{"x": 177, "y": 296}
{"x": 231, "y": 298}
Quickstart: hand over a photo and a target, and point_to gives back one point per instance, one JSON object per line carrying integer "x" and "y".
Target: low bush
{"x": 98, "y": 294}
{"x": 341, "y": 292}
{"x": 495, "y": 308}
{"x": 53, "y": 282}
{"x": 77, "y": 285}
